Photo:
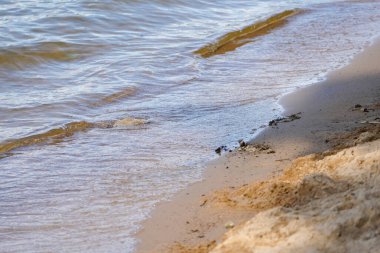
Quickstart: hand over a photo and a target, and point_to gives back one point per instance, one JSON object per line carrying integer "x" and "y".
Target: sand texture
{"x": 322, "y": 203}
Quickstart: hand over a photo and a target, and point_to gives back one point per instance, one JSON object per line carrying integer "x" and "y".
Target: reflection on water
{"x": 124, "y": 114}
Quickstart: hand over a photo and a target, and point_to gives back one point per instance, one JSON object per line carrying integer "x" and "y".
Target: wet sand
{"x": 195, "y": 221}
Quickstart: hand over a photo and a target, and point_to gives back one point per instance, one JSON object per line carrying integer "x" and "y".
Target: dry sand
{"x": 322, "y": 203}
{"x": 260, "y": 181}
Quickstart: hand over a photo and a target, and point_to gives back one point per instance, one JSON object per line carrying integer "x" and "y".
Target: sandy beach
{"x": 267, "y": 181}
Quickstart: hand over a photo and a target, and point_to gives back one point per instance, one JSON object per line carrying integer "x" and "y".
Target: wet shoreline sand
{"x": 190, "y": 223}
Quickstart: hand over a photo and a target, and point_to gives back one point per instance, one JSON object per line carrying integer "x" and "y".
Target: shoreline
{"x": 188, "y": 221}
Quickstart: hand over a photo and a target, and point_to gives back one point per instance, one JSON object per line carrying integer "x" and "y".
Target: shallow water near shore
{"x": 107, "y": 110}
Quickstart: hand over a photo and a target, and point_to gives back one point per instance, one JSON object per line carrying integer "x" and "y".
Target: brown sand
{"x": 195, "y": 220}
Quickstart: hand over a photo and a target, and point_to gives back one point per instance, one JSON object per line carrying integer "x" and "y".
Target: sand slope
{"x": 325, "y": 203}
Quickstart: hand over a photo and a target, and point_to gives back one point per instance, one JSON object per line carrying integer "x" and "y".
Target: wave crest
{"x": 57, "y": 135}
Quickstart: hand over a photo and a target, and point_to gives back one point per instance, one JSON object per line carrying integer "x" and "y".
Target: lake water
{"x": 105, "y": 110}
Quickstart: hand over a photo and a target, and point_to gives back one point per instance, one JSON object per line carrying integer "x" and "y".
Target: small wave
{"x": 21, "y": 57}
{"x": 235, "y": 39}
{"x": 127, "y": 92}
{"x": 57, "y": 135}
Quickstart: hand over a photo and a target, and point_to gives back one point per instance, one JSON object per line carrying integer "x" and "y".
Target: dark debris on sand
{"x": 286, "y": 119}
